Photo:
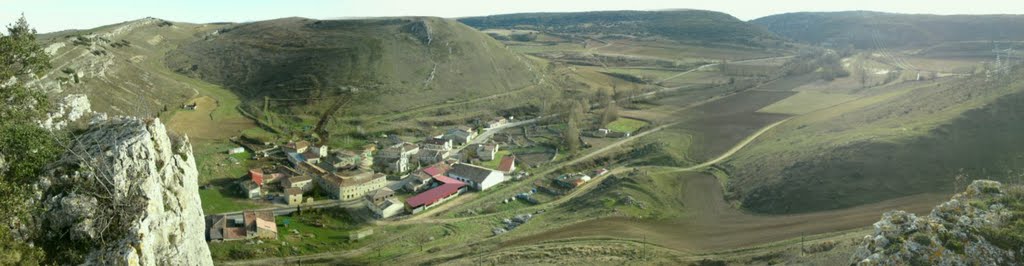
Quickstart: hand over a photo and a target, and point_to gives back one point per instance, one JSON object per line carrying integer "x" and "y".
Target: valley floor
{"x": 714, "y": 225}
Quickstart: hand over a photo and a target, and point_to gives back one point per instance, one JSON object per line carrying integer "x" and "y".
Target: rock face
{"x": 126, "y": 194}
{"x": 950, "y": 235}
{"x": 70, "y": 109}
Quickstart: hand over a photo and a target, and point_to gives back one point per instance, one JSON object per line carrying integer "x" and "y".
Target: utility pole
{"x": 644, "y": 253}
{"x": 802, "y": 244}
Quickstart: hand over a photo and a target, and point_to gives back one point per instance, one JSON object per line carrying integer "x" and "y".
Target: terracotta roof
{"x": 447, "y": 180}
{"x": 234, "y": 233}
{"x": 436, "y": 170}
{"x": 433, "y": 195}
{"x": 302, "y": 144}
{"x": 506, "y": 163}
{"x": 249, "y": 218}
{"x": 268, "y": 225}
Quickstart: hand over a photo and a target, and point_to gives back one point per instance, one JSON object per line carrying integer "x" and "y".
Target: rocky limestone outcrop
{"x": 952, "y": 234}
{"x": 125, "y": 193}
{"x": 70, "y": 109}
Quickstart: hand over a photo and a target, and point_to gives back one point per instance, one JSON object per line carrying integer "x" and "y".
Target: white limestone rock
{"x": 902, "y": 238}
{"x": 72, "y": 108}
{"x": 133, "y": 162}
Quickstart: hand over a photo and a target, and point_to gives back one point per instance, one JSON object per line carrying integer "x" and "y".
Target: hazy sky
{"x": 54, "y": 15}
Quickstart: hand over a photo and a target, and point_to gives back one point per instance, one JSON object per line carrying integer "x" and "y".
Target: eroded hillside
{"x": 413, "y": 61}
{"x": 120, "y": 67}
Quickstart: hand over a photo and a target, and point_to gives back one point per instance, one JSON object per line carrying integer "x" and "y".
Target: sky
{"x": 56, "y": 15}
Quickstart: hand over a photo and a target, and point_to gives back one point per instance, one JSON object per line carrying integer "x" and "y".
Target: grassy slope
{"x": 125, "y": 80}
{"x": 905, "y": 139}
{"x": 286, "y": 58}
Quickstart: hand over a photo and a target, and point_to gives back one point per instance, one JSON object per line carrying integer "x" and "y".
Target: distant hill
{"x": 679, "y": 25}
{"x": 419, "y": 61}
{"x": 120, "y": 67}
{"x": 864, "y": 29}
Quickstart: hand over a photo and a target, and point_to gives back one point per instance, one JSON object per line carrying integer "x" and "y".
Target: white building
{"x": 479, "y": 178}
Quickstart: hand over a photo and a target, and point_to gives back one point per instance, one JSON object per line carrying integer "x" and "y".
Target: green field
{"x": 213, "y": 163}
{"x": 318, "y": 231}
{"x": 626, "y": 125}
{"x": 493, "y": 164}
{"x": 224, "y": 199}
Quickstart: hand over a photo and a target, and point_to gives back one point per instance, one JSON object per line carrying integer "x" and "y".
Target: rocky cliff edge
{"x": 976, "y": 227}
{"x": 125, "y": 193}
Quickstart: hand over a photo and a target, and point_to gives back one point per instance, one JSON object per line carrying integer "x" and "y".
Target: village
{"x": 391, "y": 179}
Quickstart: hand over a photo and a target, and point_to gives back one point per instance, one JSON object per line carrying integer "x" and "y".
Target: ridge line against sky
{"x": 56, "y": 15}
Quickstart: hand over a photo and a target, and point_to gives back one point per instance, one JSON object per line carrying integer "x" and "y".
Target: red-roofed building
{"x": 434, "y": 196}
{"x": 436, "y": 170}
{"x": 257, "y": 176}
{"x": 447, "y": 180}
{"x": 508, "y": 164}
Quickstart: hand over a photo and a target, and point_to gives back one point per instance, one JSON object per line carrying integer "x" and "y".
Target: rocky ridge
{"x": 957, "y": 232}
{"x": 125, "y": 193}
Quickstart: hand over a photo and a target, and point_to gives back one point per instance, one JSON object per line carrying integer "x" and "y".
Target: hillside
{"x": 120, "y": 67}
{"x": 295, "y": 61}
{"x": 895, "y": 140}
{"x": 886, "y": 30}
{"x": 679, "y": 25}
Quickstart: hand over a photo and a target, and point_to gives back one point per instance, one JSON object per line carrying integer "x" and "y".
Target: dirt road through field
{"x": 715, "y": 225}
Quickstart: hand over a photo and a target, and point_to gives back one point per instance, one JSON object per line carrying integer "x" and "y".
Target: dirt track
{"x": 714, "y": 225}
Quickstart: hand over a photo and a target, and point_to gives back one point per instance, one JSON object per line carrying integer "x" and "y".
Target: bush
{"x": 922, "y": 239}
{"x": 820, "y": 247}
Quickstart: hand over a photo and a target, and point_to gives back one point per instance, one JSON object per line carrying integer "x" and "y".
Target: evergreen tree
{"x": 24, "y": 147}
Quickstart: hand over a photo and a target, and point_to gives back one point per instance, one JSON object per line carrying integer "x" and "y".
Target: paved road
{"x": 487, "y": 134}
{"x": 286, "y": 210}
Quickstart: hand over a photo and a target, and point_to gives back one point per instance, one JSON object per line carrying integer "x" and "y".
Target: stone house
{"x": 260, "y": 224}
{"x": 487, "y": 151}
{"x": 460, "y": 135}
{"x": 250, "y": 189}
{"x": 294, "y": 196}
{"x": 302, "y": 182}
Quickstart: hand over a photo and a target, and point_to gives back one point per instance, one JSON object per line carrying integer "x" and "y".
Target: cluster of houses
{"x": 348, "y": 175}
{"x": 437, "y": 183}
{"x": 352, "y": 175}
{"x": 342, "y": 174}
{"x": 252, "y": 224}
